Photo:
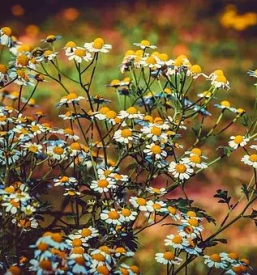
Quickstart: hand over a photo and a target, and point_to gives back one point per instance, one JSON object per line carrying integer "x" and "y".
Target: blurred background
{"x": 216, "y": 34}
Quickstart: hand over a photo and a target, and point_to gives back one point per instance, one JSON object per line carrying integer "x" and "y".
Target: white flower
{"x": 250, "y": 160}
{"x": 124, "y": 136}
{"x": 131, "y": 113}
{"x": 155, "y": 150}
{"x": 180, "y": 170}
{"x": 80, "y": 54}
{"x": 6, "y": 36}
{"x": 144, "y": 44}
{"x": 195, "y": 161}
{"x": 237, "y": 141}
{"x": 152, "y": 62}
{"x": 70, "y": 98}
{"x": 157, "y": 206}
{"x": 103, "y": 185}
{"x": 229, "y": 257}
{"x": 110, "y": 216}
{"x": 176, "y": 241}
{"x": 167, "y": 258}
{"x": 70, "y": 47}
{"x": 65, "y": 181}
{"x": 140, "y": 203}
{"x": 214, "y": 260}
{"x": 57, "y": 152}
{"x": 173, "y": 213}
{"x": 126, "y": 215}
{"x": 33, "y": 147}
{"x": 156, "y": 191}
{"x": 98, "y": 45}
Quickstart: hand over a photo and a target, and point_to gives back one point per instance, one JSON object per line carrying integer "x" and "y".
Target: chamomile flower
{"x": 229, "y": 257}
{"x": 172, "y": 211}
{"x": 155, "y": 151}
{"x": 151, "y": 61}
{"x": 167, "y": 257}
{"x": 145, "y": 44}
{"x": 70, "y": 47}
{"x": 193, "y": 222}
{"x": 220, "y": 81}
{"x": 238, "y": 141}
{"x": 79, "y": 55}
{"x": 176, "y": 241}
{"x": 250, "y": 160}
{"x": 71, "y": 192}
{"x": 127, "y": 215}
{"x": 6, "y": 36}
{"x": 225, "y": 105}
{"x": 110, "y": 216}
{"x": 123, "y": 251}
{"x": 140, "y": 203}
{"x": 3, "y": 74}
{"x": 103, "y": 185}
{"x": 215, "y": 260}
{"x": 195, "y": 161}
{"x": 192, "y": 248}
{"x": 131, "y": 113}
{"x": 70, "y": 98}
{"x": 57, "y": 152}
{"x": 156, "y": 206}
{"x": 154, "y": 132}
{"x": 21, "y": 78}
{"x": 11, "y": 206}
{"x": 65, "y": 181}
{"x": 48, "y": 55}
{"x": 156, "y": 191}
{"x": 205, "y": 94}
{"x": 195, "y": 71}
{"x": 69, "y": 133}
{"x": 180, "y": 170}
{"x": 124, "y": 135}
{"x": 44, "y": 266}
{"x": 98, "y": 45}
{"x": 87, "y": 233}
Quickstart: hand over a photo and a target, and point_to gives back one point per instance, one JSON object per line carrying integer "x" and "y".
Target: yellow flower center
{"x": 98, "y": 257}
{"x": 80, "y": 260}
{"x": 167, "y": 91}
{"x": 157, "y": 206}
{"x": 48, "y": 52}
{"x": 129, "y": 52}
{"x": 156, "y": 131}
{"x": 105, "y": 249}
{"x": 78, "y": 250}
{"x": 172, "y": 210}
{"x": 126, "y": 133}
{"x": 57, "y": 237}
{"x": 141, "y": 201}
{"x": 113, "y": 215}
{"x": 196, "y": 69}
{"x": 7, "y": 31}
{"x": 218, "y": 72}
{"x": 75, "y": 146}
{"x": 104, "y": 110}
{"x": 126, "y": 212}
{"x": 215, "y": 258}
{"x": 76, "y": 242}
{"x": 33, "y": 148}
{"x": 163, "y": 57}
{"x": 9, "y": 189}
{"x": 25, "y": 223}
{"x": 34, "y": 128}
{"x": 80, "y": 52}
{"x": 70, "y": 44}
{"x": 253, "y": 158}
{"x": 195, "y": 159}
{"x": 3, "y": 69}
{"x": 197, "y": 151}
{"x": 238, "y": 139}
{"x": 58, "y": 150}
{"x": 156, "y": 149}
{"x": 110, "y": 114}
{"x": 168, "y": 256}
{"x": 22, "y": 60}
{"x": 193, "y": 222}
{"x": 115, "y": 82}
{"x": 221, "y": 78}
{"x": 71, "y": 96}
{"x": 180, "y": 168}
{"x": 191, "y": 214}
{"x": 68, "y": 131}
{"x": 14, "y": 270}
{"x": 225, "y": 103}
{"x": 121, "y": 250}
{"x": 177, "y": 239}
{"x": 103, "y": 183}
{"x": 233, "y": 256}
{"x": 188, "y": 229}
{"x": 64, "y": 179}
{"x": 145, "y": 43}
{"x": 86, "y": 232}
{"x": 98, "y": 43}
{"x": 103, "y": 270}
{"x": 134, "y": 269}
{"x": 151, "y": 60}
{"x": 46, "y": 265}
{"x": 21, "y": 73}
{"x": 131, "y": 110}
{"x": 158, "y": 120}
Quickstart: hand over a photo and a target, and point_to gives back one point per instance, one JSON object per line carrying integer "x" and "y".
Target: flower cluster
{"x": 115, "y": 168}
